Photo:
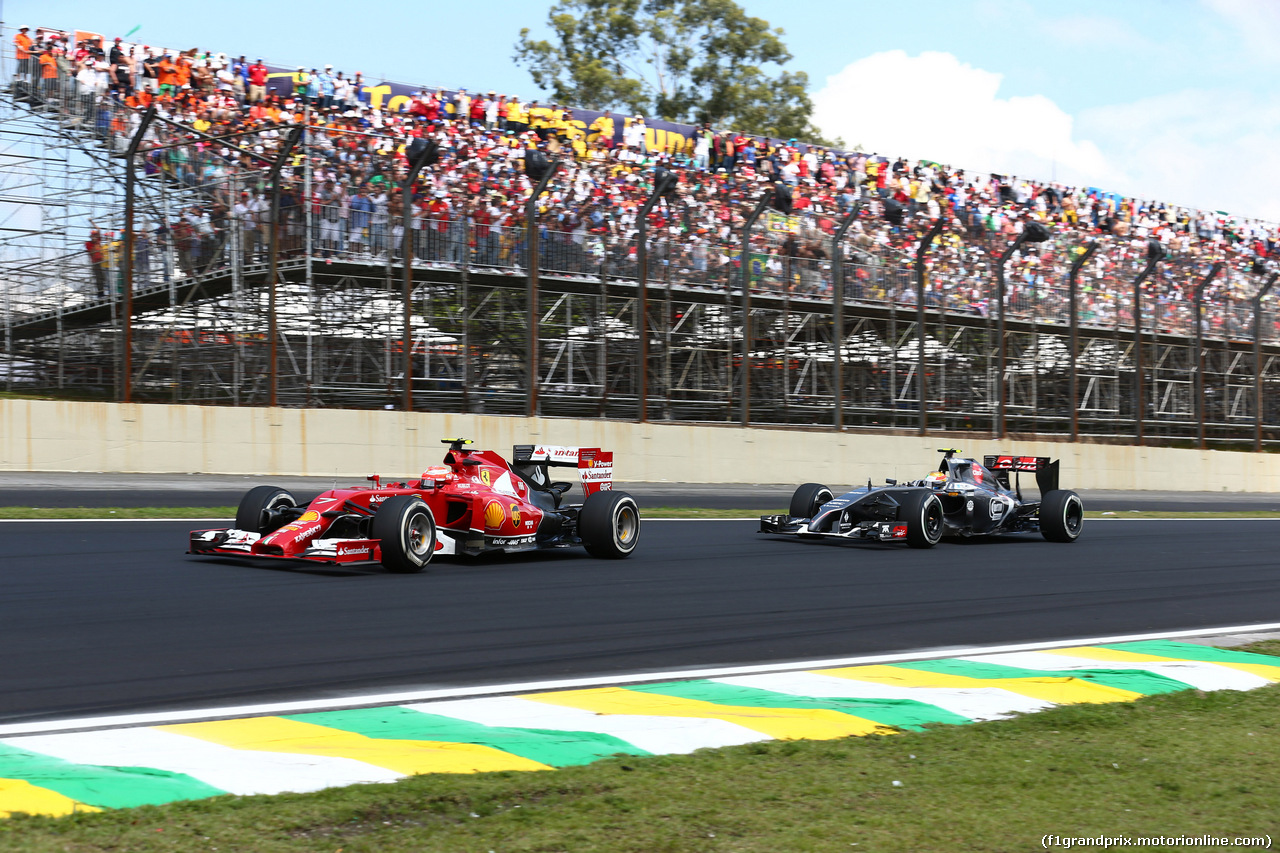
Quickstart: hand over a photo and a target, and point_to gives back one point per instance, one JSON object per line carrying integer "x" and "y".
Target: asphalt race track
{"x": 103, "y": 617}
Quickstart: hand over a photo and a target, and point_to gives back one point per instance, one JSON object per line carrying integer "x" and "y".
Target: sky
{"x": 1172, "y": 100}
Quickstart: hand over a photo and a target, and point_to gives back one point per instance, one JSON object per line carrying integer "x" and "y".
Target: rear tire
{"x": 807, "y": 499}
{"x": 406, "y": 530}
{"x": 1061, "y": 516}
{"x": 609, "y": 525}
{"x": 259, "y": 509}
{"x": 922, "y": 511}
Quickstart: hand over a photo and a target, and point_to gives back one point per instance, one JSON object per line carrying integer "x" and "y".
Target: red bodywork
{"x": 479, "y": 503}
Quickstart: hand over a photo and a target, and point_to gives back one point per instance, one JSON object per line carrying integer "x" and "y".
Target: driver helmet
{"x": 936, "y": 480}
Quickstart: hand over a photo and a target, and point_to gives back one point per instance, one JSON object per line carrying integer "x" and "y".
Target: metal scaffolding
{"x": 200, "y": 330}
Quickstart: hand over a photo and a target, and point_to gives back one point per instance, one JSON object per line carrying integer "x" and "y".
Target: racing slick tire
{"x": 406, "y": 530}
{"x": 807, "y": 499}
{"x": 922, "y": 511}
{"x": 609, "y": 525}
{"x": 1061, "y": 516}
{"x": 257, "y": 512}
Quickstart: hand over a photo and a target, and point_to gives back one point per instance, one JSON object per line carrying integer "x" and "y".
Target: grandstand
{"x": 877, "y": 327}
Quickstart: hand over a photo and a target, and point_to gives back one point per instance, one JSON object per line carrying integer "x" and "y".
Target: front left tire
{"x": 259, "y": 510}
{"x": 923, "y": 513}
{"x": 406, "y": 531}
{"x": 807, "y": 498}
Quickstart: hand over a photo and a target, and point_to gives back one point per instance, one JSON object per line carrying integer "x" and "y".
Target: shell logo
{"x": 494, "y": 515}
{"x": 309, "y": 515}
{"x": 515, "y": 514}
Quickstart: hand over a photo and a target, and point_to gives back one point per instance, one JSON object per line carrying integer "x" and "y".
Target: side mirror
{"x": 890, "y": 481}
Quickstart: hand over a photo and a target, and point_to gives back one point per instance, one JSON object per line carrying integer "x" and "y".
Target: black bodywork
{"x": 978, "y": 499}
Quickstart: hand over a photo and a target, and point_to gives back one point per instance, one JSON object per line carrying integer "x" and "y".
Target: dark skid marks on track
{"x": 105, "y": 617}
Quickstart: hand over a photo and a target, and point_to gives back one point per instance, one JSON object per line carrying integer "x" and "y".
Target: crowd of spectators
{"x": 342, "y": 194}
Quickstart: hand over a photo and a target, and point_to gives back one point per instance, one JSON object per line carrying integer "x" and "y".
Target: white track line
{"x": 406, "y": 697}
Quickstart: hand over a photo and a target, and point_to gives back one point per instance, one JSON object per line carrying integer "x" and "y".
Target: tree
{"x": 683, "y": 60}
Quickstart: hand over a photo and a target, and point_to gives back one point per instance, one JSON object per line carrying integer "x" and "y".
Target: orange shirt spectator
{"x": 48, "y": 65}
{"x": 22, "y": 44}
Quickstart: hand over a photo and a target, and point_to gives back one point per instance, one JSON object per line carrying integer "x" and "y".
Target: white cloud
{"x": 1257, "y": 22}
{"x": 1199, "y": 147}
{"x": 936, "y": 107}
{"x": 1206, "y": 148}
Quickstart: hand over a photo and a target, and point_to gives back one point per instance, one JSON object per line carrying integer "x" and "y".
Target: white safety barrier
{"x": 41, "y": 435}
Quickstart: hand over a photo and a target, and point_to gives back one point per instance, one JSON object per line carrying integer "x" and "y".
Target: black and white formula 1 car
{"x": 962, "y": 498}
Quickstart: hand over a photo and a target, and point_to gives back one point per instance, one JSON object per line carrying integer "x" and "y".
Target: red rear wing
{"x": 595, "y": 466}
{"x": 1045, "y": 469}
{"x": 1016, "y": 463}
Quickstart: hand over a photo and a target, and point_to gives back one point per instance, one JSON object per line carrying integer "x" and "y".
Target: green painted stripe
{"x": 548, "y": 746}
{"x": 1192, "y": 651}
{"x": 106, "y": 787}
{"x": 1135, "y": 680}
{"x": 899, "y": 713}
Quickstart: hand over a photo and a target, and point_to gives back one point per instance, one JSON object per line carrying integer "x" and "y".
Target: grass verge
{"x": 117, "y": 512}
{"x": 1189, "y": 763}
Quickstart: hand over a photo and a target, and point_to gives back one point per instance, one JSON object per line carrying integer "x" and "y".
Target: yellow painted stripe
{"x": 19, "y": 795}
{"x": 276, "y": 734}
{"x": 1055, "y": 689}
{"x": 1262, "y": 670}
{"x": 779, "y": 723}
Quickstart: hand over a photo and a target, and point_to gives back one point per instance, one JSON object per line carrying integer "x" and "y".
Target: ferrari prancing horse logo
{"x": 485, "y": 477}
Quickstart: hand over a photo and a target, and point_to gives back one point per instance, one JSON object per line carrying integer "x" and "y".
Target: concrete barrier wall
{"x": 38, "y": 435}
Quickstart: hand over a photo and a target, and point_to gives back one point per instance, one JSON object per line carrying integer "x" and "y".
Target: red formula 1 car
{"x": 473, "y": 504}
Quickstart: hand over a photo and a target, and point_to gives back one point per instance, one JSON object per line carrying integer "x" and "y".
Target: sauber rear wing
{"x": 1045, "y": 469}
{"x": 595, "y": 466}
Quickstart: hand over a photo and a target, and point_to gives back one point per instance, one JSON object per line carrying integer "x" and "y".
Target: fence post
{"x": 1073, "y": 382}
{"x": 1257, "y": 360}
{"x": 1155, "y": 254}
{"x": 531, "y": 290}
{"x": 921, "y": 252}
{"x": 1032, "y": 232}
{"x": 273, "y": 332}
{"x": 660, "y": 187}
{"x": 745, "y": 261}
{"x": 837, "y": 312}
{"x": 1198, "y": 302}
{"x": 422, "y": 153}
{"x": 126, "y": 364}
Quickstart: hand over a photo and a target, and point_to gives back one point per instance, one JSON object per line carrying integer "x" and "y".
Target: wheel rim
{"x": 626, "y": 524}
{"x": 273, "y": 506}
{"x": 821, "y": 498}
{"x": 933, "y": 519}
{"x": 418, "y": 534}
{"x": 1073, "y": 517}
